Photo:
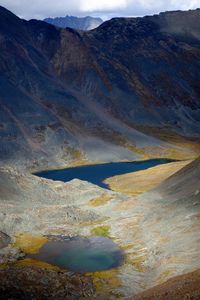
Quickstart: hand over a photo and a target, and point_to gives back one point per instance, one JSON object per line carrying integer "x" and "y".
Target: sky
{"x": 39, "y": 9}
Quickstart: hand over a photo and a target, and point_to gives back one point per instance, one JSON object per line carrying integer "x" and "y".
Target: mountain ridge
{"x": 80, "y": 23}
{"x": 70, "y": 94}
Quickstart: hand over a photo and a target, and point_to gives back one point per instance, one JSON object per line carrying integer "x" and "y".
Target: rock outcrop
{"x": 42, "y": 284}
{"x": 4, "y": 240}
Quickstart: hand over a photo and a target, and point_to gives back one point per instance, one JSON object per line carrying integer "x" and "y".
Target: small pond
{"x": 98, "y": 173}
{"x": 81, "y": 255}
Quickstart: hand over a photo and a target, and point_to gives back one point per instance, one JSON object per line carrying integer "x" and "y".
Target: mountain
{"x": 85, "y": 23}
{"x": 128, "y": 89}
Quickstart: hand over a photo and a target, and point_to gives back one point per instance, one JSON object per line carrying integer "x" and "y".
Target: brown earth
{"x": 29, "y": 282}
{"x": 184, "y": 287}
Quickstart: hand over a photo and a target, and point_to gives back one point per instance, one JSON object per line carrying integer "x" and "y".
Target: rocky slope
{"x": 158, "y": 230}
{"x": 84, "y": 23}
{"x": 36, "y": 283}
{"x": 185, "y": 183}
{"x": 142, "y": 181}
{"x": 126, "y": 90}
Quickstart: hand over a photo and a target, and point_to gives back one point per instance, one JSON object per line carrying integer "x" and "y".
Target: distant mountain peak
{"x": 81, "y": 23}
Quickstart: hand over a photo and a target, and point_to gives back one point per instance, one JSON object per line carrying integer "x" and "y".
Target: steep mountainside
{"x": 99, "y": 95}
{"x": 85, "y": 23}
{"x": 184, "y": 184}
{"x": 175, "y": 233}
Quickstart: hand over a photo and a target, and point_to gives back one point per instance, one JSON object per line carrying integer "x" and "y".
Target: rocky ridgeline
{"x": 130, "y": 87}
{"x": 84, "y": 23}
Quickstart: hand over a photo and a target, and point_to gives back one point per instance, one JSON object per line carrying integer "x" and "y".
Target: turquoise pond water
{"x": 98, "y": 173}
{"x": 81, "y": 255}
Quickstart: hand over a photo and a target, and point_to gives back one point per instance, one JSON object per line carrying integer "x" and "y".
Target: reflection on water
{"x": 81, "y": 254}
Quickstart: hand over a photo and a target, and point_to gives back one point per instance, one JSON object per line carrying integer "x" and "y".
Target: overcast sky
{"x": 40, "y": 9}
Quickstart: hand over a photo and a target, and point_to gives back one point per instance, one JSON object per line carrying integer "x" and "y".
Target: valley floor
{"x": 153, "y": 215}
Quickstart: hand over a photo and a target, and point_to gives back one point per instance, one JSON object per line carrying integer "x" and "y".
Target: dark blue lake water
{"x": 98, "y": 173}
{"x": 79, "y": 254}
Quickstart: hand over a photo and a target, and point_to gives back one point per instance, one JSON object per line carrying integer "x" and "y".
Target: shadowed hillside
{"x": 126, "y": 90}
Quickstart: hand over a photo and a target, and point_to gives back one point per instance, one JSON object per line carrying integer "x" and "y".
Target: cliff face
{"x": 99, "y": 95}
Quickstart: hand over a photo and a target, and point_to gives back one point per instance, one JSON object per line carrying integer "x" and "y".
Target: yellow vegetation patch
{"x": 30, "y": 244}
{"x": 140, "y": 151}
{"x": 93, "y": 222}
{"x": 182, "y": 154}
{"x": 128, "y": 204}
{"x": 78, "y": 158}
{"x": 127, "y": 247}
{"x": 82, "y": 162}
{"x": 145, "y": 180}
{"x": 106, "y": 281}
{"x": 3, "y": 266}
{"x": 74, "y": 153}
{"x": 137, "y": 262}
{"x": 36, "y": 263}
{"x": 165, "y": 276}
{"x": 189, "y": 148}
{"x": 102, "y": 200}
{"x": 137, "y": 258}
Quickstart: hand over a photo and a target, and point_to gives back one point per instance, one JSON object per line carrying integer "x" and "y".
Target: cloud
{"x": 103, "y": 5}
{"x": 44, "y": 8}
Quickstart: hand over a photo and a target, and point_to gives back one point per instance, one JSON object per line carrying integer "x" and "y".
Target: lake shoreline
{"x": 103, "y": 171}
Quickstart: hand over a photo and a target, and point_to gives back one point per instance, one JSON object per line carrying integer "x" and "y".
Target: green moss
{"x": 101, "y": 230}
